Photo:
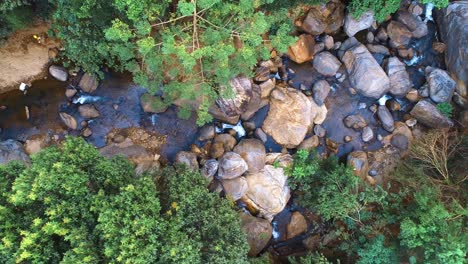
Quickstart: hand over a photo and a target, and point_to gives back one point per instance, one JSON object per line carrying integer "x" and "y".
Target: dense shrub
{"x": 74, "y": 206}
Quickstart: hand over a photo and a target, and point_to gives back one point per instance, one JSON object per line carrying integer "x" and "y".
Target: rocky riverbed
{"x": 349, "y": 87}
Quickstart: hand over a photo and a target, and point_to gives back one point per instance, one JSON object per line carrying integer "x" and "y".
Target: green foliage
{"x": 76, "y": 206}
{"x": 186, "y": 49}
{"x": 331, "y": 188}
{"x": 446, "y": 109}
{"x": 375, "y": 252}
{"x": 436, "y": 3}
{"x": 312, "y": 258}
{"x": 381, "y": 8}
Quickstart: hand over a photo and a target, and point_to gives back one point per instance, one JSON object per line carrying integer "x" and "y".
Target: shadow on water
{"x": 119, "y": 107}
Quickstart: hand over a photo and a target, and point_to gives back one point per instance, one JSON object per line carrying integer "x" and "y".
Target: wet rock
{"x": 284, "y": 160}
{"x": 87, "y": 132}
{"x": 358, "y": 161}
{"x": 268, "y": 191}
{"x": 400, "y": 141}
{"x": 261, "y": 135}
{"x": 348, "y": 139}
{"x": 415, "y": 25}
{"x": 460, "y": 100}
{"x": 152, "y": 104}
{"x": 370, "y": 37}
{"x": 367, "y": 134}
{"x": 188, "y": 159}
{"x": 70, "y": 92}
{"x": 88, "y": 111}
{"x": 69, "y": 120}
{"x": 209, "y": 169}
{"x": 35, "y": 144}
{"x": 231, "y": 166}
{"x": 406, "y": 53}
{"x": 439, "y": 47}
{"x": 428, "y": 114}
{"x": 318, "y": 113}
{"x": 320, "y": 131}
{"x": 207, "y": 132}
{"x": 326, "y": 64}
{"x": 365, "y": 74}
{"x": 262, "y": 74}
{"x": 235, "y": 188}
{"x": 289, "y": 117}
{"x": 441, "y": 86}
{"x": 226, "y": 140}
{"x": 266, "y": 88}
{"x": 322, "y": 18}
{"x": 253, "y": 152}
{"x": 297, "y": 225}
{"x": 415, "y": 9}
{"x": 424, "y": 91}
{"x": 11, "y": 150}
{"x": 229, "y": 110}
{"x": 254, "y": 104}
{"x": 452, "y": 22}
{"x": 355, "y": 122}
{"x": 258, "y": 232}
{"x": 329, "y": 42}
{"x": 59, "y": 73}
{"x": 309, "y": 143}
{"x": 382, "y": 35}
{"x": 249, "y": 126}
{"x": 320, "y": 91}
{"x": 353, "y": 25}
{"x": 411, "y": 122}
{"x": 398, "y": 33}
{"x": 303, "y": 50}
{"x": 217, "y": 150}
{"x": 412, "y": 95}
{"x": 386, "y": 118}
{"x": 380, "y": 49}
{"x": 89, "y": 83}
{"x": 319, "y": 47}
{"x": 400, "y": 82}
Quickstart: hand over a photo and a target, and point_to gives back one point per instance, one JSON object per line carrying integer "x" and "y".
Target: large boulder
{"x": 322, "y": 18}
{"x": 59, "y": 73}
{"x": 452, "y": 23}
{"x": 326, "y": 64}
{"x": 253, "y": 152}
{"x": 231, "y": 166}
{"x": 268, "y": 191}
{"x": 303, "y": 50}
{"x": 320, "y": 91}
{"x": 209, "y": 169}
{"x": 416, "y": 26}
{"x": 235, "y": 188}
{"x": 441, "y": 86}
{"x": 89, "y": 83}
{"x": 69, "y": 120}
{"x": 229, "y": 110}
{"x": 11, "y": 150}
{"x": 254, "y": 104}
{"x": 428, "y": 114}
{"x": 297, "y": 225}
{"x": 365, "y": 74}
{"x": 289, "y": 117}
{"x": 354, "y": 25}
{"x": 400, "y": 82}
{"x": 35, "y": 144}
{"x": 188, "y": 159}
{"x": 398, "y": 33}
{"x": 258, "y": 232}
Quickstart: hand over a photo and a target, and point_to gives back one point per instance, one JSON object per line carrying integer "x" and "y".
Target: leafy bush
{"x": 74, "y": 206}
{"x": 446, "y": 109}
{"x": 375, "y": 252}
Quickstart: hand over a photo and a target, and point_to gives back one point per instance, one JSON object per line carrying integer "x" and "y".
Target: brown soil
{"x": 24, "y": 58}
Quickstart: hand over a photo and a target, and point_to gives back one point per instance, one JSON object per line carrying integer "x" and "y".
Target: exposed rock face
{"x": 386, "y": 118}
{"x": 188, "y": 159}
{"x": 353, "y": 26}
{"x": 12, "y": 150}
{"x": 35, "y": 144}
{"x": 229, "y": 110}
{"x": 231, "y": 166}
{"x": 69, "y": 120}
{"x": 58, "y": 73}
{"x": 358, "y": 161}
{"x": 258, "y": 231}
{"x": 452, "y": 23}
{"x": 289, "y": 117}
{"x": 207, "y": 132}
{"x": 253, "y": 152}
{"x": 254, "y": 104}
{"x": 88, "y": 111}
{"x": 441, "y": 86}
{"x": 303, "y": 49}
{"x": 296, "y": 226}
{"x": 235, "y": 188}
{"x": 310, "y": 143}
{"x": 89, "y": 83}
{"x": 365, "y": 74}
{"x": 428, "y": 114}
{"x": 400, "y": 82}
{"x": 398, "y": 33}
{"x": 209, "y": 169}
{"x": 322, "y": 18}
{"x": 320, "y": 91}
{"x": 326, "y": 64}
{"x": 417, "y": 27}
{"x": 268, "y": 190}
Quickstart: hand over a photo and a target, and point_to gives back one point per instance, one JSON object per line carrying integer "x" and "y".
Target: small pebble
{"x": 348, "y": 138}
